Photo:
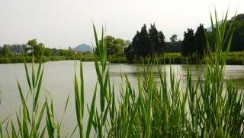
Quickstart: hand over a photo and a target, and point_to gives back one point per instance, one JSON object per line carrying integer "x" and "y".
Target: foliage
{"x": 188, "y": 45}
{"x": 79, "y": 100}
{"x": 141, "y": 43}
{"x": 157, "y": 43}
{"x": 130, "y": 54}
{"x": 146, "y": 43}
{"x": 1, "y": 123}
{"x": 66, "y": 53}
{"x": 114, "y": 45}
{"x": 119, "y": 59}
{"x": 238, "y": 36}
{"x": 36, "y": 49}
{"x": 5, "y": 51}
{"x": 173, "y": 38}
{"x": 172, "y": 47}
{"x": 200, "y": 42}
{"x": 237, "y": 43}
{"x": 172, "y": 58}
{"x": 32, "y": 114}
{"x": 194, "y": 45}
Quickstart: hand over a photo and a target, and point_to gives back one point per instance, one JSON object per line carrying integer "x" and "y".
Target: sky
{"x": 68, "y": 23}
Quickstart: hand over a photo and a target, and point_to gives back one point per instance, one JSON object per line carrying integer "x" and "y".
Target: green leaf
{"x": 91, "y": 113}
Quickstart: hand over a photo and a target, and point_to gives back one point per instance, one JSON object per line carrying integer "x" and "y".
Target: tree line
{"x": 36, "y": 49}
{"x": 195, "y": 44}
{"x": 150, "y": 43}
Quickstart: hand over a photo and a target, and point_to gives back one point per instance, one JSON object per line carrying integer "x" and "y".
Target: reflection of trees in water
{"x": 234, "y": 73}
{"x": 194, "y": 70}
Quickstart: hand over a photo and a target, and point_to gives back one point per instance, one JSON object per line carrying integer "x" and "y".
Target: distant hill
{"x": 83, "y": 48}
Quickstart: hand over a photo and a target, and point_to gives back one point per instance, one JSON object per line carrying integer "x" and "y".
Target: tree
{"x": 157, "y": 43}
{"x": 146, "y": 43}
{"x": 173, "y": 38}
{"x": 160, "y": 47}
{"x": 119, "y": 42}
{"x": 36, "y": 48}
{"x": 188, "y": 43}
{"x": 66, "y": 53}
{"x": 238, "y": 34}
{"x": 109, "y": 40}
{"x": 173, "y": 47}
{"x": 141, "y": 43}
{"x": 47, "y": 52}
{"x": 5, "y": 51}
{"x": 237, "y": 43}
{"x": 114, "y": 46}
{"x": 130, "y": 53}
{"x": 200, "y": 42}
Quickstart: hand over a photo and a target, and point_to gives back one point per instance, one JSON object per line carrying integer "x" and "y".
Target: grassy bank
{"x": 150, "y": 109}
{"x": 233, "y": 58}
{"x": 22, "y": 59}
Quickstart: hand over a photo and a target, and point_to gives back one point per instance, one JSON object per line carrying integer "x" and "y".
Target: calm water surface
{"x": 58, "y": 84}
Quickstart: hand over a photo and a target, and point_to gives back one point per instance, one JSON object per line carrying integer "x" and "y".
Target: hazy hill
{"x": 83, "y": 48}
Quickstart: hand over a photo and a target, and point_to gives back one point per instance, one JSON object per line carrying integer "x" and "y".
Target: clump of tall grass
{"x": 1, "y": 128}
{"x": 53, "y": 126}
{"x": 31, "y": 114}
{"x": 31, "y": 119}
{"x": 221, "y": 108}
{"x": 203, "y": 109}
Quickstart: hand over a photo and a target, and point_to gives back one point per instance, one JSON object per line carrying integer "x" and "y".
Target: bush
{"x": 119, "y": 59}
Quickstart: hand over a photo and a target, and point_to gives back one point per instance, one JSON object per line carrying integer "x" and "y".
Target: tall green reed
{"x": 79, "y": 100}
{"x": 31, "y": 115}
{"x": 53, "y": 126}
{"x": 99, "y": 115}
{"x": 221, "y": 107}
{"x": 1, "y": 128}
{"x": 203, "y": 109}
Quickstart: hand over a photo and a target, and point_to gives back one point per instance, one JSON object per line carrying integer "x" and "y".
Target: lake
{"x": 58, "y": 84}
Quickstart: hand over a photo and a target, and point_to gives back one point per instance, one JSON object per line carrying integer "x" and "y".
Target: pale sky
{"x": 64, "y": 23}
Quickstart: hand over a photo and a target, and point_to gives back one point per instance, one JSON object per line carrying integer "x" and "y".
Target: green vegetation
{"x": 146, "y": 44}
{"x": 115, "y": 46}
{"x": 38, "y": 52}
{"x": 233, "y": 58}
{"x": 1, "y": 128}
{"x": 237, "y": 43}
{"x": 5, "y": 52}
{"x": 174, "y": 46}
{"x": 194, "y": 45}
{"x": 62, "y": 56}
{"x": 150, "y": 109}
{"x": 32, "y": 111}
{"x": 239, "y": 82}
